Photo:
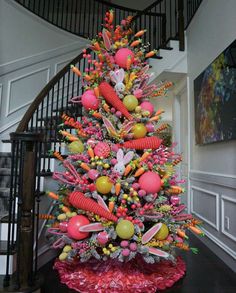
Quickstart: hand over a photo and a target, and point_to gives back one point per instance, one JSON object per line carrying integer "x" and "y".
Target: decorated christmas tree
{"x": 118, "y": 217}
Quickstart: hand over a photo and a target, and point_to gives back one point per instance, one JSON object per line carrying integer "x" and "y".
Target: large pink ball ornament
{"x": 122, "y": 56}
{"x": 73, "y": 227}
{"x": 147, "y": 106}
{"x": 89, "y": 100}
{"x": 150, "y": 182}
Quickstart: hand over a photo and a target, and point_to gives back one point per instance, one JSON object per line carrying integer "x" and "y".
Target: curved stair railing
{"x": 37, "y": 133}
{"x": 164, "y": 19}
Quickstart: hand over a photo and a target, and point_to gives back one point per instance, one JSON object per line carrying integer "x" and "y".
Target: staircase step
{"x": 4, "y": 192}
{"x": 6, "y": 140}
{"x": 3, "y": 248}
{"x": 157, "y": 57}
{"x": 5, "y": 219}
{"x": 5, "y": 154}
{"x": 5, "y": 171}
{"x": 5, "y": 160}
{"x": 4, "y": 204}
{"x": 166, "y": 48}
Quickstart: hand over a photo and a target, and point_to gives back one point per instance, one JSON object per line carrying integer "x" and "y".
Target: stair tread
{"x": 3, "y": 248}
{"x": 4, "y": 192}
{"x": 5, "y": 171}
{"x": 5, "y": 219}
{"x": 5, "y": 154}
{"x": 165, "y": 48}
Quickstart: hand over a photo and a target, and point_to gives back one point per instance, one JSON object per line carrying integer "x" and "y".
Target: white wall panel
{"x": 26, "y": 65}
{"x": 228, "y": 209}
{"x": 23, "y": 89}
{"x": 205, "y": 205}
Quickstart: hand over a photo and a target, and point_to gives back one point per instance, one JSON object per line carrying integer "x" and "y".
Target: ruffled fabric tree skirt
{"x": 115, "y": 277}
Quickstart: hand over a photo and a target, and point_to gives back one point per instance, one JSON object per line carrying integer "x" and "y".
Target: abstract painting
{"x": 215, "y": 99}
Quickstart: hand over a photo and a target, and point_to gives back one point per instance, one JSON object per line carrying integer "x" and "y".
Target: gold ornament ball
{"x": 139, "y": 130}
{"x": 76, "y": 147}
{"x": 103, "y": 184}
{"x": 130, "y": 102}
{"x": 162, "y": 233}
{"x": 125, "y": 229}
{"x": 138, "y": 109}
{"x": 63, "y": 256}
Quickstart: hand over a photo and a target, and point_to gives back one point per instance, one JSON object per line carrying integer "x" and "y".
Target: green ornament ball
{"x": 103, "y": 185}
{"x": 163, "y": 233}
{"x": 130, "y": 102}
{"x": 76, "y": 147}
{"x": 125, "y": 229}
{"x": 139, "y": 130}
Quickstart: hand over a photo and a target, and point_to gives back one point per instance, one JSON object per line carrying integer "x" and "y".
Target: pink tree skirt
{"x": 115, "y": 277}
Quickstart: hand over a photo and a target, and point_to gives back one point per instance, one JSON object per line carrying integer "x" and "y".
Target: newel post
{"x": 29, "y": 146}
{"x": 181, "y": 24}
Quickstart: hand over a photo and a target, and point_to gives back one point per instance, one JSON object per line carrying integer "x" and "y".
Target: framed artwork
{"x": 215, "y": 99}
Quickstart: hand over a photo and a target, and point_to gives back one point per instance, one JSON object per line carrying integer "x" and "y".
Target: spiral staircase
{"x": 26, "y": 169}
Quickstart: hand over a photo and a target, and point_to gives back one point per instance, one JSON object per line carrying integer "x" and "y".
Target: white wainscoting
{"x": 215, "y": 195}
{"x": 220, "y": 243}
{"x": 222, "y": 187}
{"x": 23, "y": 79}
{"x": 60, "y": 65}
{"x": 225, "y": 198}
{"x": 0, "y": 95}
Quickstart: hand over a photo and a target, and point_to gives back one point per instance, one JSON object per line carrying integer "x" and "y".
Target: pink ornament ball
{"x": 142, "y": 192}
{"x": 91, "y": 142}
{"x": 63, "y": 226}
{"x": 73, "y": 227}
{"x": 124, "y": 243}
{"x": 122, "y": 56}
{"x": 175, "y": 200}
{"x": 102, "y": 238}
{"x": 93, "y": 174}
{"x": 150, "y": 127}
{"x": 102, "y": 149}
{"x": 147, "y": 106}
{"x": 89, "y": 100}
{"x": 126, "y": 252}
{"x": 138, "y": 93}
{"x": 150, "y": 182}
{"x": 133, "y": 246}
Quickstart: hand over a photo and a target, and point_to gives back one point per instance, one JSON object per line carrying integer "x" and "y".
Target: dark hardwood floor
{"x": 206, "y": 273}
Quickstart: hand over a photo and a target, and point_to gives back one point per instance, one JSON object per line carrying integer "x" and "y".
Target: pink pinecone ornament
{"x": 102, "y": 149}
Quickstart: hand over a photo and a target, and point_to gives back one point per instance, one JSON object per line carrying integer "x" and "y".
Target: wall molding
{"x": 1, "y": 86}
{"x": 40, "y": 57}
{"x": 226, "y": 180}
{"x": 221, "y": 244}
{"x": 10, "y": 124}
{"x": 67, "y": 60}
{"x": 223, "y": 199}
{"x": 11, "y": 81}
{"x": 214, "y": 194}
